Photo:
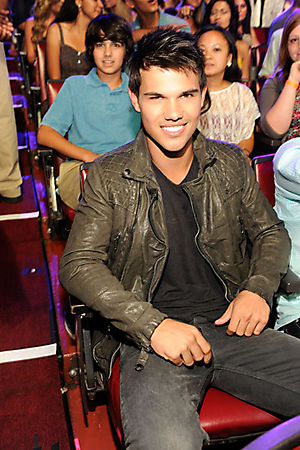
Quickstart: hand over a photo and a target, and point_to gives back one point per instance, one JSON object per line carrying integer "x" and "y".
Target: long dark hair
{"x": 246, "y": 22}
{"x": 68, "y": 13}
{"x": 233, "y": 25}
{"x": 232, "y": 73}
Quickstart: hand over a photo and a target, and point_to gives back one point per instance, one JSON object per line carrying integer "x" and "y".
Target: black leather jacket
{"x": 118, "y": 244}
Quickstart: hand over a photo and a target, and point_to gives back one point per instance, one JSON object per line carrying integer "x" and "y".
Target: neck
{"x": 174, "y": 165}
{"x": 216, "y": 83}
{"x": 149, "y": 20}
{"x": 81, "y": 23}
{"x": 113, "y": 81}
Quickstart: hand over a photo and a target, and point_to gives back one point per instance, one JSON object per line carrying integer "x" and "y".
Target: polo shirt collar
{"x": 92, "y": 79}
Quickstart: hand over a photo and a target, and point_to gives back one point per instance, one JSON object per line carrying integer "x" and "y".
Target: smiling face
{"x": 169, "y": 102}
{"x": 242, "y": 9}
{"x": 294, "y": 44}
{"x": 216, "y": 52}
{"x": 91, "y": 8}
{"x": 108, "y": 57}
{"x": 221, "y": 14}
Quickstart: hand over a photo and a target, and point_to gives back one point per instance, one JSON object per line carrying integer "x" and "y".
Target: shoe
{"x": 11, "y": 199}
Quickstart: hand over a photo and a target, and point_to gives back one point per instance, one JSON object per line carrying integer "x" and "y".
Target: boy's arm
{"x": 51, "y": 138}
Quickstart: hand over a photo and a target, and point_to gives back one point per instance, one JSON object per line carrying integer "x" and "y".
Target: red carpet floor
{"x": 32, "y": 415}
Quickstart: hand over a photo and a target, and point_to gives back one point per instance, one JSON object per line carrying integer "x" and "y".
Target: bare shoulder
{"x": 242, "y": 46}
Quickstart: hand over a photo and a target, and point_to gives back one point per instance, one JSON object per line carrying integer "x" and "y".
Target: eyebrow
{"x": 189, "y": 91}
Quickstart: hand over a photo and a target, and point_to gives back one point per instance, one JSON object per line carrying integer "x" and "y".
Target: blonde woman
{"x": 44, "y": 13}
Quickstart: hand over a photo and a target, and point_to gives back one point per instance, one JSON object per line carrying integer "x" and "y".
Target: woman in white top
{"x": 233, "y": 110}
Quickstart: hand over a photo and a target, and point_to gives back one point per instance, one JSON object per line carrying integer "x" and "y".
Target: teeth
{"x": 175, "y": 128}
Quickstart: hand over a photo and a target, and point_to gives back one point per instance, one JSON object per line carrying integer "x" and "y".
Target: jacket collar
{"x": 140, "y": 164}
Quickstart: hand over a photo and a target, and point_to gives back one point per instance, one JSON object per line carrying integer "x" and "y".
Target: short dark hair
{"x": 108, "y": 27}
{"x": 167, "y": 49}
{"x": 232, "y": 73}
{"x": 233, "y": 25}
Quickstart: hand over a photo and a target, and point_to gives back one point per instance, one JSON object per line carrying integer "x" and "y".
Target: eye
{"x": 293, "y": 40}
{"x": 117, "y": 44}
{"x": 99, "y": 44}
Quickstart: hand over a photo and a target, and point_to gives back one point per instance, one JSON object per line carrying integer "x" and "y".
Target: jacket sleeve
{"x": 269, "y": 94}
{"x": 270, "y": 241}
{"x": 83, "y": 267}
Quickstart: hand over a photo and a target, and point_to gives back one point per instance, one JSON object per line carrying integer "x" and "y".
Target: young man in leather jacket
{"x": 160, "y": 248}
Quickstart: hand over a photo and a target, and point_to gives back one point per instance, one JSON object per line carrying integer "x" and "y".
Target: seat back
{"x": 53, "y": 88}
{"x": 83, "y": 173}
{"x": 264, "y": 173}
{"x": 41, "y": 68}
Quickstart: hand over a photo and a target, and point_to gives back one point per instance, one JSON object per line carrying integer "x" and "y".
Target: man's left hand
{"x": 247, "y": 314}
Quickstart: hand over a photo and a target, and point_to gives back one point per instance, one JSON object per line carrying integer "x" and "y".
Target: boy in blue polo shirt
{"x": 94, "y": 110}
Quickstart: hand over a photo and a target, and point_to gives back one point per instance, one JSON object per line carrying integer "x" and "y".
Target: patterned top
{"x": 72, "y": 62}
{"x": 231, "y": 117}
{"x": 294, "y": 130}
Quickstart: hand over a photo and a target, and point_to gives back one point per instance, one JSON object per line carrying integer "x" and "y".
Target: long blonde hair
{"x": 40, "y": 14}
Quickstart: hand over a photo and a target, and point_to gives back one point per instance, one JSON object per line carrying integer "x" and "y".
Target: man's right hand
{"x": 180, "y": 343}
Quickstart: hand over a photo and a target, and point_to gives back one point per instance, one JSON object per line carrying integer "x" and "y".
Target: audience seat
{"x": 52, "y": 159}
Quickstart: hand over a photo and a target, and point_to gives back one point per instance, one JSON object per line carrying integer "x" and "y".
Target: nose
{"x": 100, "y": 4}
{"x": 173, "y": 110}
{"x": 107, "y": 48}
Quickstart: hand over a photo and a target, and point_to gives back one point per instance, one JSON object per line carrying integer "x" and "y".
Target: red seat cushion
{"x": 221, "y": 415}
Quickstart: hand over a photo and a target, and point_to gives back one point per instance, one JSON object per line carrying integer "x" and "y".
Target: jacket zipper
{"x": 201, "y": 251}
{"x": 153, "y": 199}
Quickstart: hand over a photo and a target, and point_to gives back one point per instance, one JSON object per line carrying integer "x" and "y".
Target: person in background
{"x": 120, "y": 8}
{"x": 286, "y": 165}
{"x": 95, "y": 110}
{"x": 245, "y": 30}
{"x": 20, "y": 11}
{"x": 270, "y": 61}
{"x": 193, "y": 12}
{"x": 280, "y": 94}
{"x": 233, "y": 111}
{"x": 44, "y": 13}
{"x": 224, "y": 13}
{"x": 65, "y": 43}
{"x": 150, "y": 16}
{"x": 10, "y": 174}
{"x": 280, "y": 20}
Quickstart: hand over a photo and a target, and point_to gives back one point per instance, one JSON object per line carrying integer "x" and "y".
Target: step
{"x": 12, "y": 64}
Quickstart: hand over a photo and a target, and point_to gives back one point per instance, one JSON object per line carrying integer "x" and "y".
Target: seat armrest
{"x": 290, "y": 283}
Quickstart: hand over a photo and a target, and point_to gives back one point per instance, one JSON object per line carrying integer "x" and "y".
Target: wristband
{"x": 292, "y": 83}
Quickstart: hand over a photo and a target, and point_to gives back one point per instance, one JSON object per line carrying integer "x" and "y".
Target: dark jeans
{"x": 160, "y": 404}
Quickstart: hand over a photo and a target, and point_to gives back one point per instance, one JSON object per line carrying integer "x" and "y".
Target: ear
{"x": 229, "y": 60}
{"x": 134, "y": 100}
{"x": 203, "y": 94}
{"x": 130, "y": 3}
